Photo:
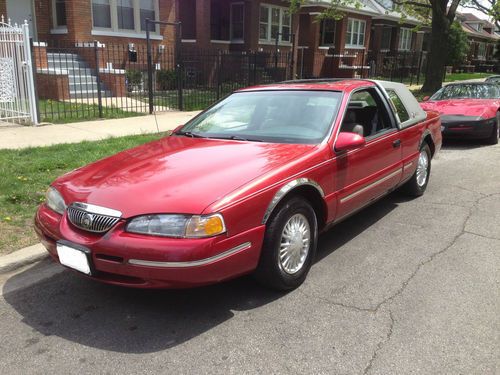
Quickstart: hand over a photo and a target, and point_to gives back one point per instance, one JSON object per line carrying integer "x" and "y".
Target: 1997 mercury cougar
{"x": 244, "y": 187}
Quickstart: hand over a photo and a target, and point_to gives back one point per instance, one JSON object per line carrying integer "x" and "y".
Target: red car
{"x": 468, "y": 110}
{"x": 245, "y": 187}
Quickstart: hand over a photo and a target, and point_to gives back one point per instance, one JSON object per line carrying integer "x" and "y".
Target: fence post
{"x": 30, "y": 56}
{"x": 179, "y": 68}
{"x": 149, "y": 55}
{"x": 98, "y": 78}
{"x": 219, "y": 72}
{"x": 419, "y": 68}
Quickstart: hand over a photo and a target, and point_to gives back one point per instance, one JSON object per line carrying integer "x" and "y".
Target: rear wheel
{"x": 418, "y": 183}
{"x": 495, "y": 133}
{"x": 289, "y": 245}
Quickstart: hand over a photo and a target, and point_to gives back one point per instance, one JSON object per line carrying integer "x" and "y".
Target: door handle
{"x": 396, "y": 143}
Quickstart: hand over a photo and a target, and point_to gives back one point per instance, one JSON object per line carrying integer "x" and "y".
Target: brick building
{"x": 482, "y": 41}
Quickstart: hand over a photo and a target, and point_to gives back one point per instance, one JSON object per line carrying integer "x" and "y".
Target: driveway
{"x": 405, "y": 286}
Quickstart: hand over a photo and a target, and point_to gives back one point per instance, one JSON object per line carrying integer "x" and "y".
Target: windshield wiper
{"x": 238, "y": 138}
{"x": 190, "y": 134}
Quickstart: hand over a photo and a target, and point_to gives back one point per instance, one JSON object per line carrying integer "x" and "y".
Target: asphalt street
{"x": 405, "y": 286}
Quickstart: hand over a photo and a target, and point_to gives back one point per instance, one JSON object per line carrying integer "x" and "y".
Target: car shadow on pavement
{"x": 343, "y": 232}
{"x": 145, "y": 321}
{"x": 462, "y": 144}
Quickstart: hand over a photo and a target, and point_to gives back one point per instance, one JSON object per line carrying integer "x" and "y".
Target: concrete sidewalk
{"x": 19, "y": 136}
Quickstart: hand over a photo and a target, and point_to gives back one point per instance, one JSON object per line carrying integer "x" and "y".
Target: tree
{"x": 440, "y": 13}
{"x": 458, "y": 45}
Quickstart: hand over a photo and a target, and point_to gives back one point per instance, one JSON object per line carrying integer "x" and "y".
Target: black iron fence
{"x": 91, "y": 80}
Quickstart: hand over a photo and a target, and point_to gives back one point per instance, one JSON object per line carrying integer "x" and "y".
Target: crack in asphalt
{"x": 382, "y": 343}
{"x": 481, "y": 235}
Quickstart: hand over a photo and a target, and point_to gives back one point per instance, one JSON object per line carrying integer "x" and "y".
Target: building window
{"x": 59, "y": 12}
{"x": 101, "y": 13}
{"x": 404, "y": 39}
{"x": 124, "y": 15}
{"x": 328, "y": 32}
{"x": 385, "y": 43}
{"x": 275, "y": 22}
{"x": 355, "y": 36}
{"x": 237, "y": 17}
{"x": 147, "y": 10}
{"x": 481, "y": 51}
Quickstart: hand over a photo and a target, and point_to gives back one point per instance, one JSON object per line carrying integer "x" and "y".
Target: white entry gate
{"x": 17, "y": 88}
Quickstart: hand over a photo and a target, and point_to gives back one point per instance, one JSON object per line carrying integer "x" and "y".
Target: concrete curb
{"x": 23, "y": 257}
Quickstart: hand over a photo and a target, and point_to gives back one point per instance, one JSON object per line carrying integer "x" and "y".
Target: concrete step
{"x": 82, "y": 79}
{"x": 62, "y": 64}
{"x": 64, "y": 56}
{"x": 82, "y": 86}
{"x": 83, "y": 94}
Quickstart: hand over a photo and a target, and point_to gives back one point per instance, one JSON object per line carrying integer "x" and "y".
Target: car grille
{"x": 90, "y": 221}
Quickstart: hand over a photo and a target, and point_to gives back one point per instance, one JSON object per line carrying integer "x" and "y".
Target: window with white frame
{"x": 355, "y": 36}
{"x": 124, "y": 15}
{"x": 481, "y": 50}
{"x": 275, "y": 22}
{"x": 404, "y": 39}
{"x": 237, "y": 23}
{"x": 59, "y": 13}
{"x": 328, "y": 32}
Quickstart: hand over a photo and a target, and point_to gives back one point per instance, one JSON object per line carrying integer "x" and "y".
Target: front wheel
{"x": 418, "y": 183}
{"x": 289, "y": 245}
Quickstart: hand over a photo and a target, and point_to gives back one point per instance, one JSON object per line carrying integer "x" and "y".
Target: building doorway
{"x": 20, "y": 10}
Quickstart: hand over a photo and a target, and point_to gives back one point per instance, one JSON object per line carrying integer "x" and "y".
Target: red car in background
{"x": 244, "y": 187}
{"x": 468, "y": 110}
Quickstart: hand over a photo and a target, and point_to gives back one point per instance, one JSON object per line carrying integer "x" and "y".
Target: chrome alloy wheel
{"x": 422, "y": 168}
{"x": 295, "y": 244}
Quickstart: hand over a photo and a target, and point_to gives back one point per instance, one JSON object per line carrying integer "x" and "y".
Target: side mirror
{"x": 425, "y": 98}
{"x": 349, "y": 141}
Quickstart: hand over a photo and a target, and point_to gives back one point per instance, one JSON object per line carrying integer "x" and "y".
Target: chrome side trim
{"x": 194, "y": 263}
{"x": 369, "y": 186}
{"x": 92, "y": 209}
{"x": 407, "y": 166}
{"x": 287, "y": 188}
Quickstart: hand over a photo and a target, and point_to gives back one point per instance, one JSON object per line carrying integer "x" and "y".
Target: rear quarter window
{"x": 398, "y": 106}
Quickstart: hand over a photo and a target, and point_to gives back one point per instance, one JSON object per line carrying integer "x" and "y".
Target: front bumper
{"x": 470, "y": 127}
{"x": 140, "y": 261}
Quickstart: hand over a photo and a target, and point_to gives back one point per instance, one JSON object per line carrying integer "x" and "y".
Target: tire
{"x": 296, "y": 218}
{"x": 417, "y": 184}
{"x": 493, "y": 138}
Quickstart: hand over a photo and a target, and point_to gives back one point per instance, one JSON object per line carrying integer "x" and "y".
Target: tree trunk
{"x": 437, "y": 55}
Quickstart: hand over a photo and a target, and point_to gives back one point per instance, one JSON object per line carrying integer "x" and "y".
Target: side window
{"x": 366, "y": 114}
{"x": 398, "y": 106}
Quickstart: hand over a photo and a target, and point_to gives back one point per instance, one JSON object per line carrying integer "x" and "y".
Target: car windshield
{"x": 494, "y": 79}
{"x": 468, "y": 91}
{"x": 288, "y": 116}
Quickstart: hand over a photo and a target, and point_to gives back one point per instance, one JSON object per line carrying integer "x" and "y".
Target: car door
{"x": 368, "y": 172}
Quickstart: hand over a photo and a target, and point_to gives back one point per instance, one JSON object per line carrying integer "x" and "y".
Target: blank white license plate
{"x": 73, "y": 258}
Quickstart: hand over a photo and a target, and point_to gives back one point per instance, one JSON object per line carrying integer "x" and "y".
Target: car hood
{"x": 485, "y": 108}
{"x": 174, "y": 175}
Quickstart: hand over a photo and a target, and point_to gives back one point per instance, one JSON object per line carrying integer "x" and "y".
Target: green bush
{"x": 134, "y": 79}
{"x": 166, "y": 79}
{"x": 458, "y": 45}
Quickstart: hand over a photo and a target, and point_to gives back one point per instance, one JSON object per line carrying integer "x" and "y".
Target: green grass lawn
{"x": 464, "y": 76}
{"x": 27, "y": 173}
{"x": 58, "y": 112}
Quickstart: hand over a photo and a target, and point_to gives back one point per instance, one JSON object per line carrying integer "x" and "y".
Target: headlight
{"x": 178, "y": 225}
{"x": 55, "y": 201}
